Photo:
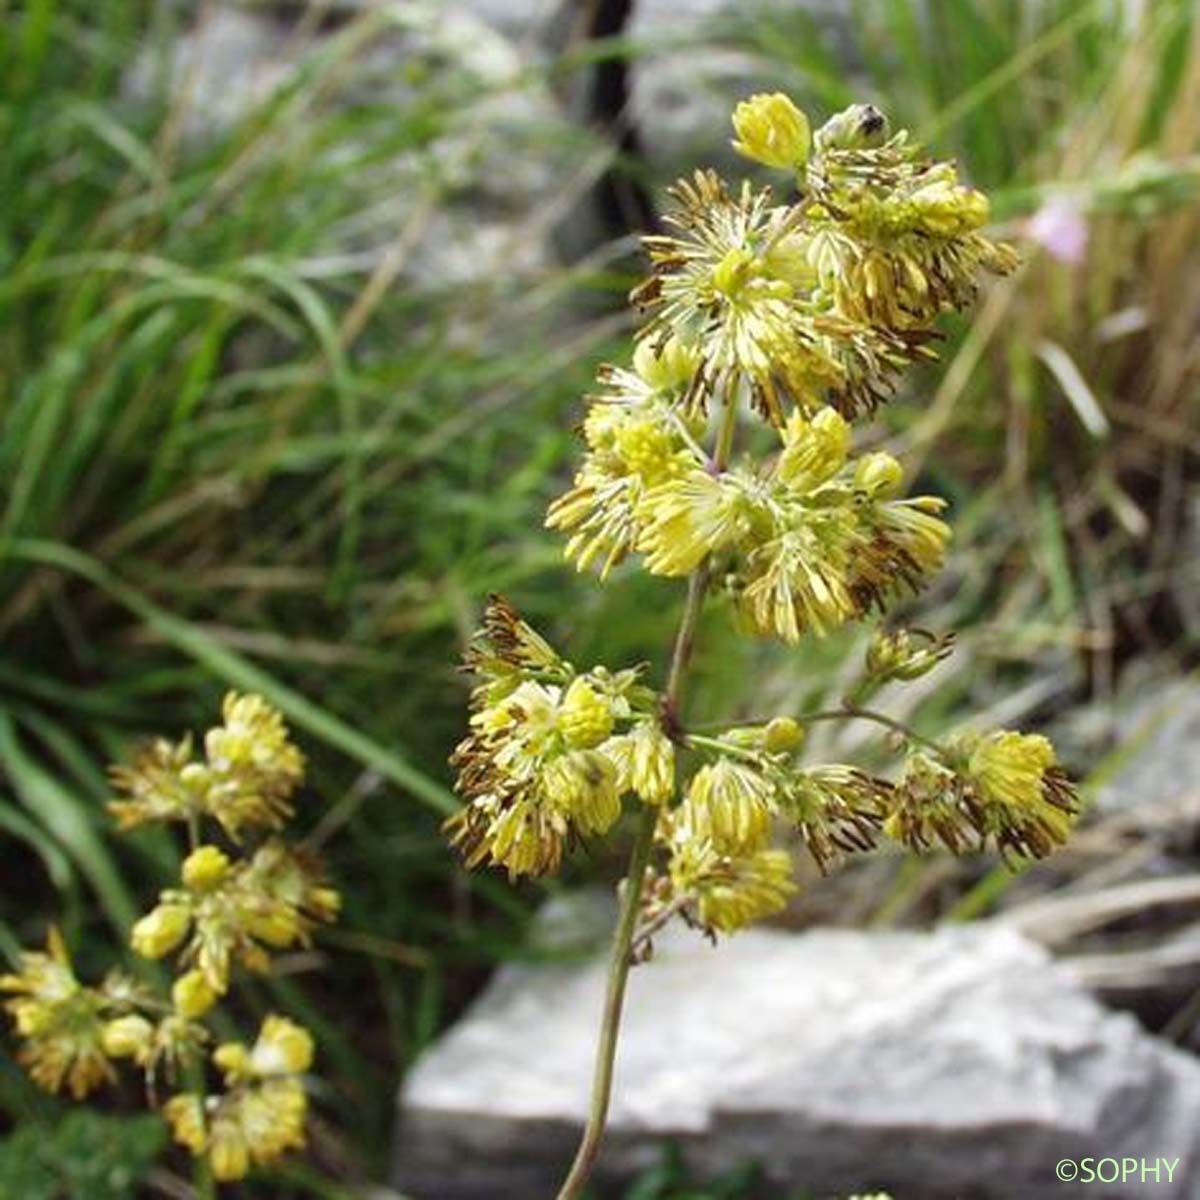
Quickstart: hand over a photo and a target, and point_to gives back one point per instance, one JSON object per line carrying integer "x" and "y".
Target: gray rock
{"x": 494, "y": 181}
{"x": 229, "y": 62}
{"x": 961, "y": 1063}
{"x": 1158, "y": 759}
{"x": 695, "y": 62}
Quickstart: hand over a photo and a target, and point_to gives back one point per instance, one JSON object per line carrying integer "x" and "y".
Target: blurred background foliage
{"x": 278, "y": 410}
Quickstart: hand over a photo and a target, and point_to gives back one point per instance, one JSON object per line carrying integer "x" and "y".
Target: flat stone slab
{"x": 960, "y": 1063}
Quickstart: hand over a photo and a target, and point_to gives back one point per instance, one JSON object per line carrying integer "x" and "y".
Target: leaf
{"x": 69, "y": 820}
{"x": 230, "y": 666}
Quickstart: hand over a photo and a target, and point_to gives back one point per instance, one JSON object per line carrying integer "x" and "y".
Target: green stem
{"x": 614, "y": 999}
{"x": 852, "y": 712}
{"x": 203, "y": 1184}
{"x": 635, "y": 877}
{"x": 849, "y": 712}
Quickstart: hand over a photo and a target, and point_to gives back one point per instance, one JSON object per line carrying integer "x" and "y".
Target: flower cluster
{"x": 246, "y": 780}
{"x": 802, "y": 312}
{"x": 1001, "y": 785}
{"x": 261, "y": 1111}
{"x": 235, "y": 904}
{"x": 551, "y": 750}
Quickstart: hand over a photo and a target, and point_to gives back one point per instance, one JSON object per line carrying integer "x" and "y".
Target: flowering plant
{"x": 801, "y": 315}
{"x": 236, "y": 903}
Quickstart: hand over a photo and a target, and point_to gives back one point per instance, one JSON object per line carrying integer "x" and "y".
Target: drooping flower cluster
{"x": 1001, "y": 785}
{"x": 260, "y": 1113}
{"x": 235, "y": 905}
{"x": 551, "y": 750}
{"x": 802, "y": 311}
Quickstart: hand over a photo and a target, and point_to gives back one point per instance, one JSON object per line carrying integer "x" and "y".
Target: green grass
{"x": 243, "y": 446}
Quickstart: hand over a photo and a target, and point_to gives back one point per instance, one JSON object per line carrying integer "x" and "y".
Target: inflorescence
{"x": 803, "y": 313}
{"x": 235, "y": 905}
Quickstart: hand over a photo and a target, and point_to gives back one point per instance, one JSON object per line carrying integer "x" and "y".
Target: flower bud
{"x": 205, "y": 869}
{"x": 772, "y": 130}
{"x": 130, "y": 1036}
{"x": 859, "y": 127}
{"x": 282, "y": 1048}
{"x": 946, "y": 208}
{"x": 879, "y": 474}
{"x": 586, "y": 717}
{"x": 160, "y": 930}
{"x": 232, "y": 1058}
{"x": 278, "y": 927}
{"x": 906, "y": 654}
{"x": 782, "y": 734}
{"x": 665, "y": 366}
{"x": 732, "y": 273}
{"x": 192, "y": 994}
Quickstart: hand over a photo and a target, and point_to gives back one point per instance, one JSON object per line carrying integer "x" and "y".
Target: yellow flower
{"x": 205, "y": 868}
{"x": 160, "y": 930}
{"x": 283, "y": 877}
{"x": 814, "y": 450}
{"x": 250, "y": 1126}
{"x": 131, "y": 1036}
{"x": 929, "y": 806}
{"x": 582, "y": 785}
{"x": 772, "y": 130}
{"x": 254, "y": 766}
{"x": 232, "y": 912}
{"x": 252, "y": 769}
{"x": 690, "y": 518}
{"x": 729, "y": 891}
{"x": 666, "y": 367}
{"x": 733, "y": 279}
{"x": 730, "y": 804}
{"x": 633, "y": 444}
{"x": 895, "y": 238}
{"x": 1021, "y": 794}
{"x": 801, "y": 580}
{"x": 534, "y": 767}
{"x": 834, "y": 808}
{"x": 61, "y": 1021}
{"x": 261, "y": 1113}
{"x": 192, "y": 995}
{"x": 158, "y": 786}
{"x": 585, "y": 716}
{"x": 645, "y": 762}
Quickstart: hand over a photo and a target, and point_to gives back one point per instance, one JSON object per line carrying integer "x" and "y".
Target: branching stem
{"x": 848, "y": 712}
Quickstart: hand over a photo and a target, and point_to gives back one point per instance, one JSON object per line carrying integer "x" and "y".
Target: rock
{"x": 1157, "y": 762}
{"x": 479, "y": 201}
{"x": 229, "y": 62}
{"x": 695, "y": 62}
{"x": 952, "y": 1064}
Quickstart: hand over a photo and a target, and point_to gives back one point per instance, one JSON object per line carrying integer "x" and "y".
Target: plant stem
{"x": 614, "y": 998}
{"x": 203, "y": 1185}
{"x": 850, "y": 712}
{"x": 639, "y": 858}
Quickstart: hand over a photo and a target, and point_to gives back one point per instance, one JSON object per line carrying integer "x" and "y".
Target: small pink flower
{"x": 1060, "y": 228}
